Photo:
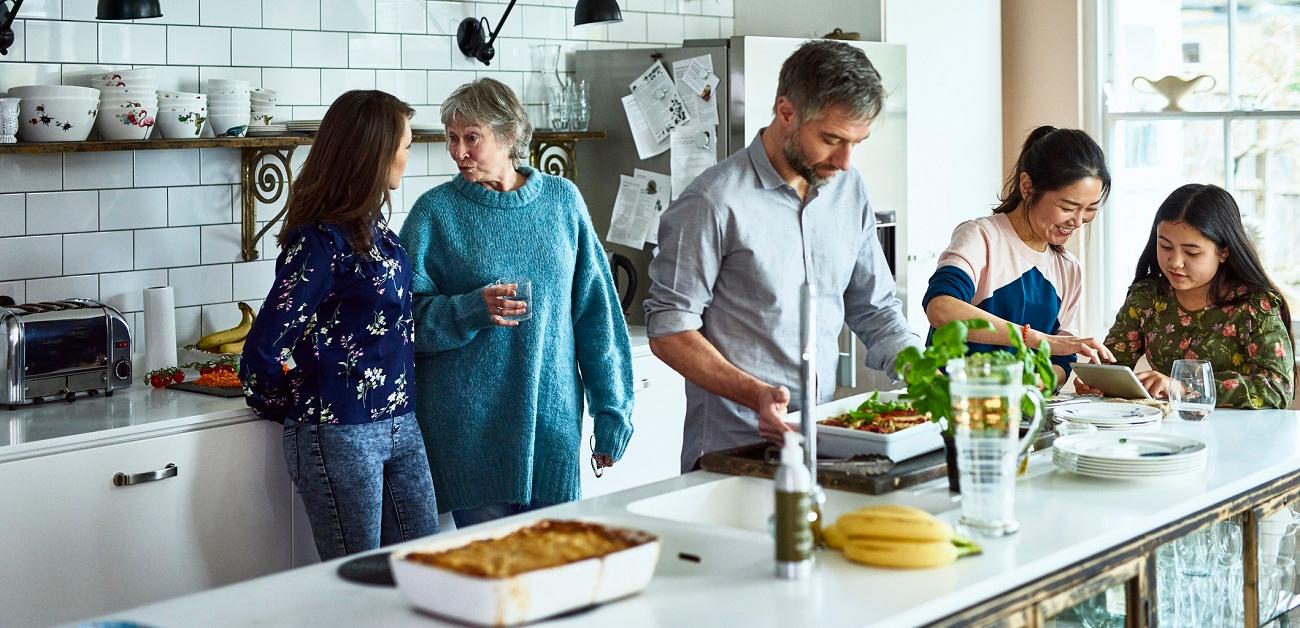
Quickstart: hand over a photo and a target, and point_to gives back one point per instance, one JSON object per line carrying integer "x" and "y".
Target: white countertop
{"x": 131, "y": 414}
{"x": 1065, "y": 518}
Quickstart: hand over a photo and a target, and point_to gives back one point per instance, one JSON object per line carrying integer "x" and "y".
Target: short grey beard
{"x": 795, "y": 157}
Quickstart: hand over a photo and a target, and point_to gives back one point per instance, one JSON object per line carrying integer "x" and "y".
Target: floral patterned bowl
{"x": 41, "y": 120}
{"x": 182, "y": 124}
{"x": 126, "y": 121}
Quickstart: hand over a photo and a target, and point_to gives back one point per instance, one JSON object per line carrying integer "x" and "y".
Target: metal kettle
{"x": 627, "y": 288}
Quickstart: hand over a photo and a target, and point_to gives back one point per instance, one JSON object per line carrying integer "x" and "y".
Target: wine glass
{"x": 1192, "y": 389}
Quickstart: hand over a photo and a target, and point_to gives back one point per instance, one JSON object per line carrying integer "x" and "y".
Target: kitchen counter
{"x": 134, "y": 413}
{"x": 1065, "y": 519}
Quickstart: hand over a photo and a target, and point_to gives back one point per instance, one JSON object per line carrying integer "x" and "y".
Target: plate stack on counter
{"x": 1129, "y": 456}
{"x": 303, "y": 126}
{"x": 1112, "y": 416}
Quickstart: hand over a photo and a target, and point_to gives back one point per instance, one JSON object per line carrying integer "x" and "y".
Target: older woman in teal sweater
{"x": 500, "y": 400}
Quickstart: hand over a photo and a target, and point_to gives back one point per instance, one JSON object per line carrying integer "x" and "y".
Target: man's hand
{"x": 771, "y": 406}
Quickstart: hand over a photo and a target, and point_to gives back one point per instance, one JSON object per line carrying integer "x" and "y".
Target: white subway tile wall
{"x": 109, "y": 225}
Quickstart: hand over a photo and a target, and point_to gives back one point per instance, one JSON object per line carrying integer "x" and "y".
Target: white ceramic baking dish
{"x": 528, "y": 596}
{"x": 842, "y": 442}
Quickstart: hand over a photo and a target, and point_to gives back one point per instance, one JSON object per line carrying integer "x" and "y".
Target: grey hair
{"x": 491, "y": 103}
{"x": 822, "y": 74}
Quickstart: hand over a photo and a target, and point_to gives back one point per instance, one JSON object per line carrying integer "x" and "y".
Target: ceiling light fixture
{"x": 475, "y": 37}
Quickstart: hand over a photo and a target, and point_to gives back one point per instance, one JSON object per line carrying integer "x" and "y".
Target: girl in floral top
{"x": 1201, "y": 293}
{"x": 340, "y": 308}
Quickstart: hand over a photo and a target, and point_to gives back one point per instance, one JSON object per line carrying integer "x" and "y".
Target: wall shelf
{"x": 266, "y": 173}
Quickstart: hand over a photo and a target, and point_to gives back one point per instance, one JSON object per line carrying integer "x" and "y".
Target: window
{"x": 1236, "y": 124}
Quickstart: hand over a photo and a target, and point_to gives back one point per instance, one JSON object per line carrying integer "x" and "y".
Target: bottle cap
{"x": 792, "y": 450}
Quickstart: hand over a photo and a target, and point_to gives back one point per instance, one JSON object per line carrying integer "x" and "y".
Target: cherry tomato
{"x": 157, "y": 381}
{"x": 178, "y": 377}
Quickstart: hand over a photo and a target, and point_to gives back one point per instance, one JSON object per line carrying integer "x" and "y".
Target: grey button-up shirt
{"x": 731, "y": 263}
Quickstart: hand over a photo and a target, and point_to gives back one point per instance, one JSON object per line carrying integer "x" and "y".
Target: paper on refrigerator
{"x": 646, "y": 145}
{"x": 659, "y": 188}
{"x": 697, "y": 86}
{"x": 694, "y": 149}
{"x": 633, "y": 210}
{"x": 657, "y": 96}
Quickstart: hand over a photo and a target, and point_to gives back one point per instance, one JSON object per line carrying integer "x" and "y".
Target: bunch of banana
{"x": 229, "y": 340}
{"x": 896, "y": 536}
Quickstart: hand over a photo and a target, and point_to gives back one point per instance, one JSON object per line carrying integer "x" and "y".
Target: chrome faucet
{"x": 808, "y": 386}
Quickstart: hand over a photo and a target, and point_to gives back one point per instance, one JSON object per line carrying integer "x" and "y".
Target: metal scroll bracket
{"x": 266, "y": 175}
{"x": 555, "y": 156}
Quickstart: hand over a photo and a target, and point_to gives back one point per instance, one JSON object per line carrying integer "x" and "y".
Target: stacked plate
{"x": 303, "y": 126}
{"x": 267, "y": 130}
{"x": 419, "y": 128}
{"x": 1111, "y": 416}
{"x": 1129, "y": 456}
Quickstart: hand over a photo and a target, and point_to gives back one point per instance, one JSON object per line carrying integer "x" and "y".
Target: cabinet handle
{"x": 127, "y": 479}
{"x": 641, "y": 384}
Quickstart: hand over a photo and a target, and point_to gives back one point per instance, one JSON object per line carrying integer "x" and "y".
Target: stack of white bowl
{"x": 55, "y": 113}
{"x": 181, "y": 115}
{"x": 263, "y": 102}
{"x": 128, "y": 104}
{"x": 229, "y": 107}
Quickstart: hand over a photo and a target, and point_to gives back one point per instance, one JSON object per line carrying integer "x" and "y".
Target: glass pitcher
{"x": 986, "y": 400}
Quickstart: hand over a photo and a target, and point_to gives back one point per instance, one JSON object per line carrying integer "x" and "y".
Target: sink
{"x": 746, "y": 503}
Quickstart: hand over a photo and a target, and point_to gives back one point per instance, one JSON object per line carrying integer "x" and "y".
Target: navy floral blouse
{"x": 345, "y": 320}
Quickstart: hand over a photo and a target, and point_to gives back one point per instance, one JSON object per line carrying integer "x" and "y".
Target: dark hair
{"x": 1054, "y": 158}
{"x": 1211, "y": 210}
{"x": 822, "y": 74}
{"x": 345, "y": 178}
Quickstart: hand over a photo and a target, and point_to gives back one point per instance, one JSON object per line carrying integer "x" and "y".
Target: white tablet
{"x": 1113, "y": 380}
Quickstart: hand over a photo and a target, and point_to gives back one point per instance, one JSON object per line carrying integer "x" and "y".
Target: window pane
{"x": 1266, "y": 156}
{"x": 1155, "y": 38}
{"x": 1268, "y": 54}
{"x": 1148, "y": 159}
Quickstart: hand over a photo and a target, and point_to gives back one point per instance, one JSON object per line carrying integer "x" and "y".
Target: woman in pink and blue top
{"x": 1012, "y": 267}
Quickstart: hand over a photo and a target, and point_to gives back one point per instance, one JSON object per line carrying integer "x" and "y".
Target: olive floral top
{"x": 345, "y": 319}
{"x": 1247, "y": 343}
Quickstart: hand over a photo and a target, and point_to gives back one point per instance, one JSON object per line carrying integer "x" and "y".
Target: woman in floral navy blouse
{"x": 1201, "y": 293}
{"x": 340, "y": 308}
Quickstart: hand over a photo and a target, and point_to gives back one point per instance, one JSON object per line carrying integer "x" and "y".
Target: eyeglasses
{"x": 595, "y": 468}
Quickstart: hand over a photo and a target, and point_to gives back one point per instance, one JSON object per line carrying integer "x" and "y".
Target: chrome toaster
{"x": 60, "y": 348}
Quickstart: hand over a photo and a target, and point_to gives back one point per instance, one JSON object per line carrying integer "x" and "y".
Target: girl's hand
{"x": 1156, "y": 383}
{"x": 1084, "y": 389}
{"x": 499, "y": 307}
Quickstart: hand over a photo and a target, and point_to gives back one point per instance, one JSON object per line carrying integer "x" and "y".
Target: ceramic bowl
{"x": 229, "y": 124}
{"x": 54, "y": 91}
{"x": 137, "y": 84}
{"x": 262, "y": 117}
{"x": 181, "y": 125}
{"x": 138, "y": 73}
{"x": 41, "y": 120}
{"x": 126, "y": 123}
{"x": 170, "y": 95}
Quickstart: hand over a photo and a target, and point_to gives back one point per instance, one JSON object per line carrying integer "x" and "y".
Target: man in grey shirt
{"x": 723, "y": 308}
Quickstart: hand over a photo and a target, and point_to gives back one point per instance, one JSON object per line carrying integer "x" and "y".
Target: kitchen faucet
{"x": 808, "y": 387}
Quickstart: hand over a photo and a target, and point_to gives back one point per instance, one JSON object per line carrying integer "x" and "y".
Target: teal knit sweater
{"x": 500, "y": 407}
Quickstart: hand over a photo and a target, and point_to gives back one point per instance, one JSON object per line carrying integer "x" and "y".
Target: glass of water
{"x": 1192, "y": 389}
{"x": 523, "y": 292}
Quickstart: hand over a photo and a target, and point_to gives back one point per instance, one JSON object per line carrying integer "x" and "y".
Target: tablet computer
{"x": 1113, "y": 380}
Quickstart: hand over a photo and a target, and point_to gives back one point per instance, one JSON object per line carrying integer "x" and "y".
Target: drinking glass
{"x": 986, "y": 412}
{"x": 523, "y": 292}
{"x": 558, "y": 107}
{"x": 579, "y": 103}
{"x": 1192, "y": 389}
{"x": 8, "y": 120}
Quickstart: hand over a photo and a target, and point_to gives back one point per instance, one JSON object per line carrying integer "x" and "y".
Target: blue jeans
{"x": 363, "y": 485}
{"x": 466, "y": 517}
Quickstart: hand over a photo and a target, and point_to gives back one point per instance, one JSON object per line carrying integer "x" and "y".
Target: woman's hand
{"x": 603, "y": 460}
{"x": 1081, "y": 388}
{"x": 771, "y": 406}
{"x": 1089, "y": 348}
{"x": 1156, "y": 383}
{"x": 499, "y": 307}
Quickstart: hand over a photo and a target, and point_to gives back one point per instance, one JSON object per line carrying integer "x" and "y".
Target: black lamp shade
{"x": 596, "y": 12}
{"x": 127, "y": 9}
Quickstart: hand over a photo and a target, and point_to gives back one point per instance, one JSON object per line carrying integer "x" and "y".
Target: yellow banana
{"x": 893, "y": 525}
{"x": 901, "y": 554}
{"x": 833, "y": 536}
{"x": 231, "y": 347}
{"x": 213, "y": 341}
{"x": 897, "y": 509}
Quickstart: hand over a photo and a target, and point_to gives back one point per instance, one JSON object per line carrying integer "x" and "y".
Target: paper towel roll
{"x": 159, "y": 328}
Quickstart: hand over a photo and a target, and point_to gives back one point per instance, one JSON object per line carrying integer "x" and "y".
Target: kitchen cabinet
{"x": 656, "y": 446}
{"x": 75, "y": 544}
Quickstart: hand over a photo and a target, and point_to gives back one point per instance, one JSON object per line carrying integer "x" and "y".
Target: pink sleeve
{"x": 969, "y": 250}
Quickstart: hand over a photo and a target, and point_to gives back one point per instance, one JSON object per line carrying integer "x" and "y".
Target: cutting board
{"x": 750, "y": 460}
{"x": 216, "y": 391}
